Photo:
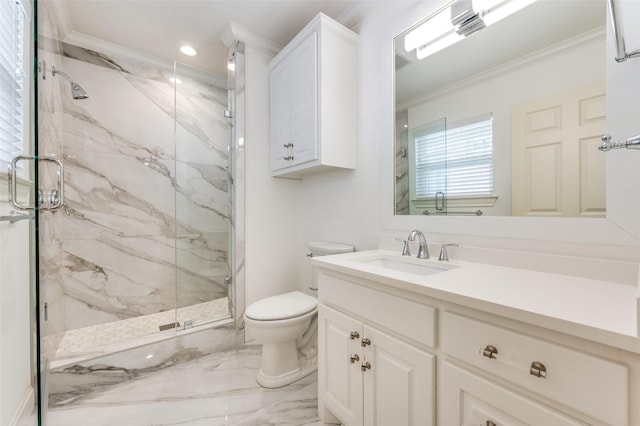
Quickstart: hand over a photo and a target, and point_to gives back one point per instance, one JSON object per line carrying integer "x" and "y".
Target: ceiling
{"x": 159, "y": 27}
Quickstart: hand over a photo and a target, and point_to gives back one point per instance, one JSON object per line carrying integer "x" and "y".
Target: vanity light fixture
{"x": 456, "y": 20}
{"x": 188, "y": 50}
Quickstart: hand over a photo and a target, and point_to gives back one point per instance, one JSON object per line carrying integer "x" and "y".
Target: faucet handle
{"x": 444, "y": 256}
{"x": 406, "y": 251}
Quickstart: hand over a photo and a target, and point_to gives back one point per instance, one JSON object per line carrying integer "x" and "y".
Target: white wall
{"x": 17, "y": 396}
{"x": 271, "y": 204}
{"x": 357, "y": 207}
{"x": 16, "y": 392}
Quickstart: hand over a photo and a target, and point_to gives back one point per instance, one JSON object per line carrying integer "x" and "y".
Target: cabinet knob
{"x": 366, "y": 366}
{"x": 490, "y": 351}
{"x": 354, "y": 335}
{"x": 365, "y": 342}
{"x": 354, "y": 359}
{"x": 538, "y": 369}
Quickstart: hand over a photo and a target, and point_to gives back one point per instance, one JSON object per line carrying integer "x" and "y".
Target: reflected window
{"x": 456, "y": 158}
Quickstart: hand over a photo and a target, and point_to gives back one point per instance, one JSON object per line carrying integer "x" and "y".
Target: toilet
{"x": 278, "y": 322}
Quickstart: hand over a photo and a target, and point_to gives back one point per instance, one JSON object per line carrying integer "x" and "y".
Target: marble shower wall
{"x": 147, "y": 188}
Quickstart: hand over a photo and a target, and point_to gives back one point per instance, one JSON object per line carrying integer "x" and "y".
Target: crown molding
{"x": 233, "y": 32}
{"x": 355, "y": 13}
{"x": 118, "y": 51}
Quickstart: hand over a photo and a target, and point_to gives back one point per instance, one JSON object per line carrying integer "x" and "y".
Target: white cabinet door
{"x": 280, "y": 117}
{"x": 304, "y": 94}
{"x": 399, "y": 383}
{"x": 339, "y": 379}
{"x": 467, "y": 399}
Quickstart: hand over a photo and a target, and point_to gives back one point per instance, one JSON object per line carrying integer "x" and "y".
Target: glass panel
{"x": 202, "y": 197}
{"x": 428, "y": 168}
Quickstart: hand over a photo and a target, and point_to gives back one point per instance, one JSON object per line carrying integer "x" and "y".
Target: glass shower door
{"x": 202, "y": 135}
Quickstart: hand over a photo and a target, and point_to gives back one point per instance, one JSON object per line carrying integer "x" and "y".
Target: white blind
{"x": 456, "y": 161}
{"x": 12, "y": 79}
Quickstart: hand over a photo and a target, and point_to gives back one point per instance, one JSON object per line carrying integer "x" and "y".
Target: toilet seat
{"x": 282, "y": 306}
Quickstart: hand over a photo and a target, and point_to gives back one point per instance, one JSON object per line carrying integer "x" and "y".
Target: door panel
{"x": 557, "y": 169}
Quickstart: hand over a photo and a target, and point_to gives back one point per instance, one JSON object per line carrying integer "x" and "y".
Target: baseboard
{"x": 25, "y": 410}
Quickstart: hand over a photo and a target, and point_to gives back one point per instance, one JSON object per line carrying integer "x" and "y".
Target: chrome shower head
{"x": 77, "y": 92}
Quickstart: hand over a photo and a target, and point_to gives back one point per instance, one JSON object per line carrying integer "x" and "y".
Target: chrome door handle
{"x": 13, "y": 184}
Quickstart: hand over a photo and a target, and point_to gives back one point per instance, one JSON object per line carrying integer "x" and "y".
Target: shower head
{"x": 77, "y": 92}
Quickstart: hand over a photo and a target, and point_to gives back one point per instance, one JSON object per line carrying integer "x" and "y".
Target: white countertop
{"x": 600, "y": 311}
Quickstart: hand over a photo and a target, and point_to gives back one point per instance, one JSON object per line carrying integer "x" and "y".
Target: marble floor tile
{"x": 215, "y": 389}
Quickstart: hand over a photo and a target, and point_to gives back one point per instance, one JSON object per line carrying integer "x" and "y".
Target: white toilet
{"x": 278, "y": 321}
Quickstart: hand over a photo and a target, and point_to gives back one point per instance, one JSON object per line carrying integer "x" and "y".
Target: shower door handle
{"x": 13, "y": 184}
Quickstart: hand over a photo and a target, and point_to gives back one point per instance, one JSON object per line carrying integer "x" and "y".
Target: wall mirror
{"x": 507, "y": 120}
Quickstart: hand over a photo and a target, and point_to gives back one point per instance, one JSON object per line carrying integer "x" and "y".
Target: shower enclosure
{"x": 140, "y": 247}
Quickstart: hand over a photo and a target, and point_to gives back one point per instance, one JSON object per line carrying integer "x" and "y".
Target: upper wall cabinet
{"x": 313, "y": 100}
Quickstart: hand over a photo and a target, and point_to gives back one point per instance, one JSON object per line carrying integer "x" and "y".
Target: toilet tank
{"x": 322, "y": 248}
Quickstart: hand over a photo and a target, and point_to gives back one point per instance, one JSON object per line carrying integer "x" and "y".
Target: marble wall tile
{"x": 147, "y": 187}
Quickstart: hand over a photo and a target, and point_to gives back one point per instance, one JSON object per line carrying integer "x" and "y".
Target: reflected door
{"x": 557, "y": 168}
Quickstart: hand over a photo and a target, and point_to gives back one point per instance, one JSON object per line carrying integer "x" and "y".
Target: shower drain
{"x": 168, "y": 326}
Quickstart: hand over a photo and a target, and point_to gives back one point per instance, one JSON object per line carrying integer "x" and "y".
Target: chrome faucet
{"x": 423, "y": 250}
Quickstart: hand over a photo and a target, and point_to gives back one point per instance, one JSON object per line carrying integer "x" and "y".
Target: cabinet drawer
{"x": 471, "y": 400}
{"x": 594, "y": 386}
{"x": 404, "y": 317}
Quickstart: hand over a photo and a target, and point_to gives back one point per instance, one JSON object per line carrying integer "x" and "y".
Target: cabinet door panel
{"x": 467, "y": 399}
{"x": 399, "y": 386}
{"x": 339, "y": 380}
{"x": 280, "y": 103}
{"x": 304, "y": 92}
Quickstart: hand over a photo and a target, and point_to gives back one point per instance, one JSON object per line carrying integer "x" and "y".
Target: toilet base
{"x": 270, "y": 381}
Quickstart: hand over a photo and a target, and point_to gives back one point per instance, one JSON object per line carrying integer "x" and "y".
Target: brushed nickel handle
{"x": 490, "y": 351}
{"x": 354, "y": 359}
{"x": 365, "y": 342}
{"x": 538, "y": 369}
{"x": 354, "y": 335}
{"x": 366, "y": 366}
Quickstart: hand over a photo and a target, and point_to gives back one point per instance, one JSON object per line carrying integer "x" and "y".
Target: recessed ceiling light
{"x": 188, "y": 50}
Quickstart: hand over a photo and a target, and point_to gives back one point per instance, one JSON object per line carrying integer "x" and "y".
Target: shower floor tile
{"x": 100, "y": 339}
{"x": 215, "y": 389}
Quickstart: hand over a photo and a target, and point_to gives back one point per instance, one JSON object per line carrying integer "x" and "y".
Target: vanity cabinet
{"x": 588, "y": 384}
{"x": 388, "y": 356}
{"x": 312, "y": 100}
{"x": 468, "y": 399}
{"x": 369, "y": 376}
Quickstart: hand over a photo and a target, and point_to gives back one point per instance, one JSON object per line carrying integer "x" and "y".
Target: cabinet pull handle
{"x": 538, "y": 369}
{"x": 365, "y": 342}
{"x": 490, "y": 351}
{"x": 354, "y": 335}
{"x": 366, "y": 366}
{"x": 354, "y": 359}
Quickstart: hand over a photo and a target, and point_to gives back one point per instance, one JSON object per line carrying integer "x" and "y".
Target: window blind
{"x": 12, "y": 79}
{"x": 457, "y": 161}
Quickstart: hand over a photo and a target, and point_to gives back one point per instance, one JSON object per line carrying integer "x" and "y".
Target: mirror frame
{"x": 619, "y": 227}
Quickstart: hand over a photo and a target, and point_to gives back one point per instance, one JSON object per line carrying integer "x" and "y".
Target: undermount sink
{"x": 410, "y": 265}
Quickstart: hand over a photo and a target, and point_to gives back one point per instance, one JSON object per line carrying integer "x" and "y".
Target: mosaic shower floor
{"x": 97, "y": 340}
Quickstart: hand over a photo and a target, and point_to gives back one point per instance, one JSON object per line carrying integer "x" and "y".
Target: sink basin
{"x": 410, "y": 265}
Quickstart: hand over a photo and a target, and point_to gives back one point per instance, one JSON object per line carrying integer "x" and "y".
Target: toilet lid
{"x": 282, "y": 306}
